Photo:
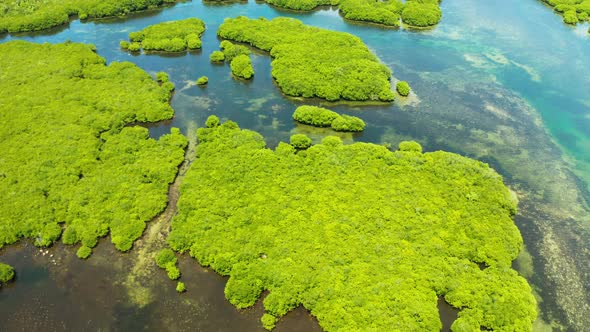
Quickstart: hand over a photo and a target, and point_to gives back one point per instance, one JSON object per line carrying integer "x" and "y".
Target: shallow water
{"x": 505, "y": 82}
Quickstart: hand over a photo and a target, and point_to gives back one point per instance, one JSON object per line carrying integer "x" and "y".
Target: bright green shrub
{"x": 300, "y": 141}
{"x": 268, "y": 321}
{"x": 410, "y": 146}
{"x": 173, "y": 36}
{"x": 420, "y": 14}
{"x": 362, "y": 237}
{"x": 134, "y": 47}
{"x": 6, "y": 273}
{"x": 231, "y": 50}
{"x": 241, "y": 66}
{"x": 403, "y": 88}
{"x": 84, "y": 252}
{"x": 168, "y": 86}
{"x": 217, "y": 56}
{"x": 124, "y": 44}
{"x": 162, "y": 77}
{"x": 20, "y": 16}
{"x": 172, "y": 271}
{"x": 570, "y": 17}
{"x": 212, "y": 121}
{"x": 381, "y": 12}
{"x": 180, "y": 287}
{"x": 71, "y": 156}
{"x": 348, "y": 123}
{"x": 165, "y": 257}
{"x": 312, "y": 62}
{"x": 315, "y": 116}
{"x": 203, "y": 80}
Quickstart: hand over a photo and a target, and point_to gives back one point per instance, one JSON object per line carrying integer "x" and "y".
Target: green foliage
{"x": 381, "y": 12}
{"x": 301, "y": 4}
{"x": 33, "y": 15}
{"x": 172, "y": 271}
{"x": 403, "y": 88}
{"x": 241, "y": 66}
{"x": 268, "y": 321}
{"x": 348, "y": 123}
{"x": 84, "y": 252}
{"x": 162, "y": 77}
{"x": 124, "y": 45}
{"x": 68, "y": 154}
{"x": 570, "y": 17}
{"x": 231, "y": 50}
{"x": 322, "y": 117}
{"x": 315, "y": 116}
{"x": 134, "y": 47}
{"x": 212, "y": 121}
{"x": 168, "y": 86}
{"x": 386, "y": 12}
{"x": 202, "y": 80}
{"x": 6, "y": 273}
{"x": 217, "y": 56}
{"x": 300, "y": 141}
{"x": 180, "y": 287}
{"x": 313, "y": 62}
{"x": 421, "y": 13}
{"x": 363, "y": 237}
{"x": 573, "y": 11}
{"x": 165, "y": 257}
{"x": 173, "y": 36}
{"x": 410, "y": 146}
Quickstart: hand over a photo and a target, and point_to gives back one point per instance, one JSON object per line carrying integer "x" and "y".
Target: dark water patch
{"x": 447, "y": 313}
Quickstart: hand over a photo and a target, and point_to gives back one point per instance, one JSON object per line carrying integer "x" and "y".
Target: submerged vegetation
{"x": 6, "y": 273}
{"x": 70, "y": 160}
{"x": 313, "y": 62}
{"x": 420, "y": 13}
{"x": 173, "y": 36}
{"x": 33, "y": 15}
{"x": 322, "y": 117}
{"x": 573, "y": 11}
{"x": 363, "y": 237}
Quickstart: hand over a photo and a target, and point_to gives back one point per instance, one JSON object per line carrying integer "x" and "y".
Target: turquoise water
{"x": 502, "y": 81}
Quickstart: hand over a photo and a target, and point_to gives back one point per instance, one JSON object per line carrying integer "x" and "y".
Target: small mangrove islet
{"x": 322, "y": 117}
{"x": 313, "y": 62}
{"x": 362, "y": 237}
{"x": 72, "y": 166}
{"x": 173, "y": 36}
{"x": 21, "y": 16}
{"x": 418, "y": 13}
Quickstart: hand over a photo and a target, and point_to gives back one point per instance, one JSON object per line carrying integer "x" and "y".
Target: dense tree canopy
{"x": 241, "y": 66}
{"x": 388, "y": 12}
{"x": 69, "y": 157}
{"x": 32, "y": 15}
{"x": 173, "y": 36}
{"x": 313, "y": 62}
{"x": 573, "y": 11}
{"x": 365, "y": 238}
{"x": 322, "y": 117}
{"x": 403, "y": 88}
